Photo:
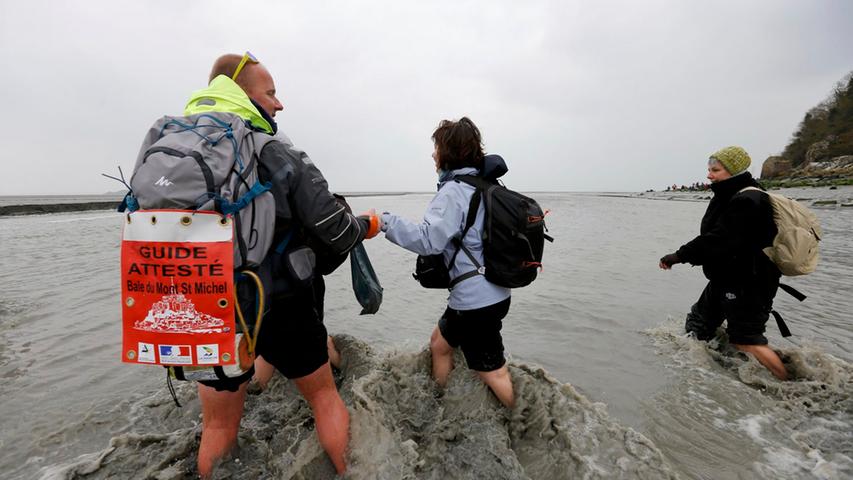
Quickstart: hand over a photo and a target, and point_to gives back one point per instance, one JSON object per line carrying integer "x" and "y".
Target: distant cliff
{"x": 822, "y": 145}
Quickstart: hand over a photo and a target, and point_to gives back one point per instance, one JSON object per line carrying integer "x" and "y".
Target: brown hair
{"x": 226, "y": 64}
{"x": 458, "y": 144}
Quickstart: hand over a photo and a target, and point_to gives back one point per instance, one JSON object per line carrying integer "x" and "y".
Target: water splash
{"x": 402, "y": 427}
{"x": 795, "y": 429}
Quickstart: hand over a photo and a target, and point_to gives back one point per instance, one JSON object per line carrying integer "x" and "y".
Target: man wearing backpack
{"x": 742, "y": 280}
{"x": 292, "y": 337}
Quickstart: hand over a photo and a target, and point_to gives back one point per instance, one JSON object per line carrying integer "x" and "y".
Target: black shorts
{"x": 478, "y": 332}
{"x": 292, "y": 336}
{"x": 745, "y": 308}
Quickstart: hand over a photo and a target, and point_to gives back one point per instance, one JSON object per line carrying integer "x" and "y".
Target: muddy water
{"x": 607, "y": 386}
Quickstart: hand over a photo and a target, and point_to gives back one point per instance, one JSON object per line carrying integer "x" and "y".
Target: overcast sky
{"x": 577, "y": 96}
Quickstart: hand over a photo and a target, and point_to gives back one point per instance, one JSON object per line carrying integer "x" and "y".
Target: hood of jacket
{"x": 224, "y": 95}
{"x": 494, "y": 167}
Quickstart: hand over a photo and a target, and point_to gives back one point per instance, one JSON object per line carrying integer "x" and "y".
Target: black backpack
{"x": 513, "y": 239}
{"x": 513, "y": 233}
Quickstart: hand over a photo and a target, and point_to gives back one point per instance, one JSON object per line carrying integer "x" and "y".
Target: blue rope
{"x": 129, "y": 202}
{"x": 228, "y": 133}
{"x": 279, "y": 249}
{"x": 227, "y": 207}
{"x": 257, "y": 189}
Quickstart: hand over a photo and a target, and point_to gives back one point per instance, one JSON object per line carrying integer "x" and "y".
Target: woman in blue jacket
{"x": 475, "y": 307}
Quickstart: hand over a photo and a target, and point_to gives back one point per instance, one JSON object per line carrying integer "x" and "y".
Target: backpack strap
{"x": 750, "y": 188}
{"x": 179, "y": 374}
{"x": 473, "y": 207}
{"x": 783, "y": 328}
{"x": 258, "y": 188}
{"x": 279, "y": 249}
{"x": 792, "y": 292}
{"x": 477, "y": 182}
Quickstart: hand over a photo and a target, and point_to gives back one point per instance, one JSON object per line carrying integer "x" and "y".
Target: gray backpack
{"x": 208, "y": 161}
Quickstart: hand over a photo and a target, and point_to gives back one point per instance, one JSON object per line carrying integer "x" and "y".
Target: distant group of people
{"x": 694, "y": 187}
{"x": 293, "y": 339}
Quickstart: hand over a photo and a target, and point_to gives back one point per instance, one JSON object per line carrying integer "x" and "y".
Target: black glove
{"x": 670, "y": 260}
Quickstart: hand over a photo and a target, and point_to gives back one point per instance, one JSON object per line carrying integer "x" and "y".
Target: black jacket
{"x": 734, "y": 230}
{"x": 305, "y": 210}
{"x": 303, "y": 203}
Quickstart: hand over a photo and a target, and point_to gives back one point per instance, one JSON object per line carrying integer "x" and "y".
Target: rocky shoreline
{"x": 816, "y": 172}
{"x": 822, "y": 197}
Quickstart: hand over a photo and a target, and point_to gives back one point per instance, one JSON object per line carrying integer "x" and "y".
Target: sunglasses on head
{"x": 247, "y": 58}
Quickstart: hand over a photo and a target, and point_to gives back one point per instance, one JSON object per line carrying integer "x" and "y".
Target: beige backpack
{"x": 795, "y": 247}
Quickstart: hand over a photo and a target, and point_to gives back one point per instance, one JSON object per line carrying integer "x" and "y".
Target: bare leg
{"x": 334, "y": 354}
{"x": 442, "y": 357}
{"x": 220, "y": 413}
{"x": 767, "y": 357}
{"x": 501, "y": 384}
{"x": 330, "y": 413}
{"x": 263, "y": 372}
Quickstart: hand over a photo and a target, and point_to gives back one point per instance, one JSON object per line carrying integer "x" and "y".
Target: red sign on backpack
{"x": 177, "y": 285}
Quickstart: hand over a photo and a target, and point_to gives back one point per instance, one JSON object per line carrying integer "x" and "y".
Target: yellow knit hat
{"x": 734, "y": 158}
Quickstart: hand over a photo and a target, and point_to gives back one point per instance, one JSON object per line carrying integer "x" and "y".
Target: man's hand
{"x": 667, "y": 261}
{"x": 373, "y": 223}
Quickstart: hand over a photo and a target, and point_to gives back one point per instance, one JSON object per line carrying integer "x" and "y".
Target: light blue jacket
{"x": 444, "y": 220}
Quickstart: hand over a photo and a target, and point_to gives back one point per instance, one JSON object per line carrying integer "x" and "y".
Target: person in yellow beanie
{"x": 734, "y": 159}
{"x": 742, "y": 281}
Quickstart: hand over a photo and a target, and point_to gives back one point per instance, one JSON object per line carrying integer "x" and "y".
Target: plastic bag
{"x": 365, "y": 285}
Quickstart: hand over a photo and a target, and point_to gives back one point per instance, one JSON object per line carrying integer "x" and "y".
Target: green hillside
{"x": 830, "y": 122}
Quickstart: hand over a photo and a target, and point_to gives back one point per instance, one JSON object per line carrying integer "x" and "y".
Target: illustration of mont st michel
{"x": 177, "y": 314}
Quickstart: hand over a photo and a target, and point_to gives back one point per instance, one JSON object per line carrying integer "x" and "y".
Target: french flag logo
{"x": 175, "y": 354}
